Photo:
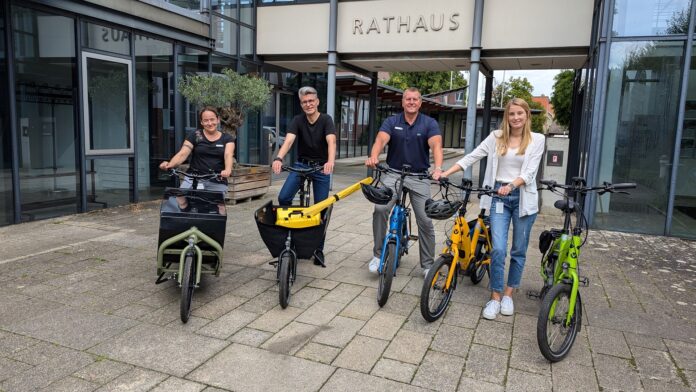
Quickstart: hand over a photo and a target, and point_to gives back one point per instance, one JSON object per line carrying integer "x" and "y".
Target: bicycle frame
{"x": 396, "y": 232}
{"x": 463, "y": 237}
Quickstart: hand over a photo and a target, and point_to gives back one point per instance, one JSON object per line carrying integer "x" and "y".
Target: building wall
{"x": 382, "y": 26}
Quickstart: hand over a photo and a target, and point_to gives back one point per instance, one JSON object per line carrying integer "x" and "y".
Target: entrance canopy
{"x": 434, "y": 35}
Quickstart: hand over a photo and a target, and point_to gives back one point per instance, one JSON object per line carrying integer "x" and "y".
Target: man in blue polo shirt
{"x": 410, "y": 137}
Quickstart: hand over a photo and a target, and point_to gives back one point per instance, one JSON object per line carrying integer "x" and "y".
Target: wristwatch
{"x": 279, "y": 159}
{"x": 511, "y": 186}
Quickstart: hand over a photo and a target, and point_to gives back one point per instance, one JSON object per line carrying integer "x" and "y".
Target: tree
{"x": 520, "y": 88}
{"x": 233, "y": 94}
{"x": 426, "y": 82}
{"x": 562, "y": 96}
{"x": 514, "y": 88}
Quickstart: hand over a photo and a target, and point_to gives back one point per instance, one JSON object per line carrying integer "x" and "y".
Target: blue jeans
{"x": 521, "y": 228}
{"x": 292, "y": 184}
{"x": 320, "y": 188}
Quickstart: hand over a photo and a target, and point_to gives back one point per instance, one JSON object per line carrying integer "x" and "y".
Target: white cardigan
{"x": 529, "y": 197}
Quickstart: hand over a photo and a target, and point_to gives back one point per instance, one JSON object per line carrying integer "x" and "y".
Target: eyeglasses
{"x": 308, "y": 102}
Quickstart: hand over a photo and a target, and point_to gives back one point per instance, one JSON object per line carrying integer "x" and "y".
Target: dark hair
{"x": 208, "y": 109}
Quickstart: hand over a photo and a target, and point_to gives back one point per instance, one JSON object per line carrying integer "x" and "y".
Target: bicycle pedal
{"x": 412, "y": 237}
{"x": 584, "y": 281}
{"x": 533, "y": 294}
{"x": 273, "y": 263}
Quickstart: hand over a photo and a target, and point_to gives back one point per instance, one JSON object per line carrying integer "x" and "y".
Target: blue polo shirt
{"x": 408, "y": 144}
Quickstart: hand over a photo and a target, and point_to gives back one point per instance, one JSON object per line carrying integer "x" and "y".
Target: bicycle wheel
{"x": 434, "y": 295}
{"x": 188, "y": 281}
{"x": 477, "y": 269}
{"x": 387, "y": 274}
{"x": 285, "y": 277}
{"x": 554, "y": 337}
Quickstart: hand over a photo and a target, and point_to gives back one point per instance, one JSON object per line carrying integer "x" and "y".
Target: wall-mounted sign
{"x": 554, "y": 158}
{"x": 406, "y": 24}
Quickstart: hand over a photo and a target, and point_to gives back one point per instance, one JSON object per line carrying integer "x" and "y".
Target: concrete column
{"x": 332, "y": 59}
{"x": 473, "y": 82}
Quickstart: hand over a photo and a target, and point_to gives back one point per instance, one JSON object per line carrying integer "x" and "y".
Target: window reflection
{"x": 6, "y": 208}
{"x": 44, "y": 55}
{"x": 684, "y": 213}
{"x": 650, "y": 17}
{"x": 638, "y": 133}
{"x": 154, "y": 102}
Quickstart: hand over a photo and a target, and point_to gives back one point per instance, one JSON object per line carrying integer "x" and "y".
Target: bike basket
{"x": 305, "y": 241}
{"x": 545, "y": 241}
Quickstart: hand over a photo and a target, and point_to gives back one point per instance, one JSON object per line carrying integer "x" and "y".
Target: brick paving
{"x": 79, "y": 311}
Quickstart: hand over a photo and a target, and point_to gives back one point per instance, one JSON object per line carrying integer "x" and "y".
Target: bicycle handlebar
{"x": 206, "y": 176}
{"x": 604, "y": 188}
{"x": 303, "y": 172}
{"x": 467, "y": 187}
{"x": 403, "y": 172}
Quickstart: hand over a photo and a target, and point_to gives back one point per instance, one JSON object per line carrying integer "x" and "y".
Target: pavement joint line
{"x": 100, "y": 238}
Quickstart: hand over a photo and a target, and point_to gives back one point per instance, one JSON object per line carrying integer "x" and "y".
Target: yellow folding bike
{"x": 468, "y": 249}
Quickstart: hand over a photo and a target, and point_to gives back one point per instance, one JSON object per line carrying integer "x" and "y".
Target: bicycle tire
{"x": 548, "y": 331}
{"x": 188, "y": 281}
{"x": 477, "y": 270}
{"x": 285, "y": 278}
{"x": 387, "y": 274}
{"x": 433, "y": 284}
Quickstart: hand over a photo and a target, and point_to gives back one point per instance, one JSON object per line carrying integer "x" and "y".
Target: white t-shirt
{"x": 509, "y": 165}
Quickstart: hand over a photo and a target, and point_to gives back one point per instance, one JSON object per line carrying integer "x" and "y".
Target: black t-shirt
{"x": 208, "y": 155}
{"x": 311, "y": 138}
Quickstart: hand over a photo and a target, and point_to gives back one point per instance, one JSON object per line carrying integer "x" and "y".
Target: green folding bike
{"x": 560, "y": 315}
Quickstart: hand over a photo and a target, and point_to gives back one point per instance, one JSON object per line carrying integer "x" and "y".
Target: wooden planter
{"x": 247, "y": 181}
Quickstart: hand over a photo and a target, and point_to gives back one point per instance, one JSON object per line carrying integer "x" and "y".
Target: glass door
{"x": 684, "y": 211}
{"x": 108, "y": 129}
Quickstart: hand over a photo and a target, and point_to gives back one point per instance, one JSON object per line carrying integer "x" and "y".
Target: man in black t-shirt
{"x": 316, "y": 145}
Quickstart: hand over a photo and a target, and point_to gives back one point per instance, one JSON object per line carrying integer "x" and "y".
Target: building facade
{"x": 89, "y": 103}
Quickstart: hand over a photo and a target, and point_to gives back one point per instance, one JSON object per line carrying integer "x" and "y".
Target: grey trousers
{"x": 419, "y": 192}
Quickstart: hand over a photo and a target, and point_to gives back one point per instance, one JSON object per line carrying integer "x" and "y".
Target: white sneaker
{"x": 491, "y": 310}
{"x": 374, "y": 265}
{"x": 506, "y": 306}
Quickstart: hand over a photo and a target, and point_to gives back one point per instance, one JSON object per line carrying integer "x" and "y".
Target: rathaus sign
{"x": 406, "y": 24}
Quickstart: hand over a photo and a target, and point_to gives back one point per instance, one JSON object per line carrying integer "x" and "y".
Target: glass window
{"x": 109, "y": 181}
{"x": 650, "y": 17}
{"x": 222, "y": 62}
{"x": 246, "y": 42}
{"x": 192, "y": 61}
{"x": 225, "y": 7}
{"x": 245, "y": 68}
{"x": 225, "y": 35}
{"x": 246, "y": 12}
{"x": 45, "y": 94}
{"x": 108, "y": 112}
{"x": 154, "y": 100}
{"x": 108, "y": 39}
{"x": 6, "y": 207}
{"x": 193, "y": 5}
{"x": 684, "y": 212}
{"x": 638, "y": 133}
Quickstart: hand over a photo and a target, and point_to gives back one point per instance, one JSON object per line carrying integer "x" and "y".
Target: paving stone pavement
{"x": 79, "y": 311}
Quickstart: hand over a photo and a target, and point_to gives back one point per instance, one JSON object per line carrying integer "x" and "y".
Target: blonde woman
{"x": 513, "y": 153}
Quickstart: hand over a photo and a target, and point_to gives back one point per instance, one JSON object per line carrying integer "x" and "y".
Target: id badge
{"x": 499, "y": 207}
